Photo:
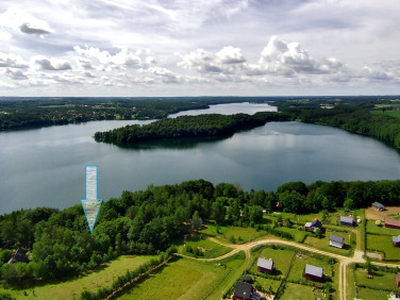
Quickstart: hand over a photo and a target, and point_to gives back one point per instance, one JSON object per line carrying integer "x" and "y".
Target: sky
{"x": 199, "y": 48}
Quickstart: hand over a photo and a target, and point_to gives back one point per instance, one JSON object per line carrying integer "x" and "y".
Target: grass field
{"x": 364, "y": 293}
{"x": 281, "y": 260}
{"x": 350, "y": 290}
{"x": 381, "y": 280}
{"x": 298, "y": 235}
{"x": 240, "y": 234}
{"x": 296, "y": 273}
{"x": 392, "y": 113}
{"x": 383, "y": 243}
{"x": 323, "y": 243}
{"x": 297, "y": 291}
{"x": 93, "y": 281}
{"x": 209, "y": 248}
{"x": 372, "y": 228}
{"x": 187, "y": 279}
{"x": 267, "y": 283}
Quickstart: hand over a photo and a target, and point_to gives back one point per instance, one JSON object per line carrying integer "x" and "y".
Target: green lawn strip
{"x": 296, "y": 273}
{"x": 350, "y": 289}
{"x": 383, "y": 243}
{"x": 392, "y": 113}
{"x": 184, "y": 278}
{"x": 92, "y": 281}
{"x": 296, "y": 291}
{"x": 267, "y": 284}
{"x": 365, "y": 293}
{"x": 298, "y": 235}
{"x": 207, "y": 247}
{"x": 380, "y": 280}
{"x": 373, "y": 228}
{"x": 239, "y": 234}
{"x": 237, "y": 264}
{"x": 323, "y": 243}
{"x": 281, "y": 260}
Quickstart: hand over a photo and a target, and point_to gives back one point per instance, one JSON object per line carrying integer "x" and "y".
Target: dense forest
{"x": 60, "y": 245}
{"x": 202, "y": 126}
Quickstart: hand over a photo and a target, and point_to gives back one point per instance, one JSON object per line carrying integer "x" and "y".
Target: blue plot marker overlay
{"x": 91, "y": 205}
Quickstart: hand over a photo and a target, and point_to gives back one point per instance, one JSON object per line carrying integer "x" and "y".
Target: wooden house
{"x": 265, "y": 265}
{"x": 346, "y": 221}
{"x": 378, "y": 206}
{"x": 313, "y": 273}
{"x": 392, "y": 223}
{"x": 336, "y": 241}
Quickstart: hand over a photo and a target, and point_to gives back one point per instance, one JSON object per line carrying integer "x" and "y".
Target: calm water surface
{"x": 46, "y": 167}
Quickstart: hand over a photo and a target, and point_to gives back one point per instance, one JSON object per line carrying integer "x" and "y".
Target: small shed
{"x": 396, "y": 241}
{"x": 336, "y": 241}
{"x": 265, "y": 265}
{"x": 313, "y": 273}
{"x": 243, "y": 291}
{"x": 247, "y": 279}
{"x": 392, "y": 223}
{"x": 18, "y": 256}
{"x": 346, "y": 221}
{"x": 378, "y": 206}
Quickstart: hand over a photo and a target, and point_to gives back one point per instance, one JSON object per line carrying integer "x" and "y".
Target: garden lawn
{"x": 209, "y": 248}
{"x": 240, "y": 234}
{"x": 372, "y": 228}
{"x": 383, "y": 243}
{"x": 364, "y": 293}
{"x": 93, "y": 281}
{"x": 298, "y": 235}
{"x": 381, "y": 280}
{"x": 281, "y": 258}
{"x": 296, "y": 291}
{"x": 296, "y": 273}
{"x": 323, "y": 243}
{"x": 267, "y": 283}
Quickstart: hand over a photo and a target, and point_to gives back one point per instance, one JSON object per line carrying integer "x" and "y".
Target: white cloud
{"x": 230, "y": 55}
{"x": 124, "y": 57}
{"x": 24, "y": 22}
{"x": 15, "y": 74}
{"x": 12, "y": 61}
{"x": 51, "y": 64}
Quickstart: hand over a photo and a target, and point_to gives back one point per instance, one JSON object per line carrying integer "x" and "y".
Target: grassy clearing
{"x": 350, "y": 290}
{"x": 268, "y": 283}
{"x": 323, "y": 243}
{"x": 297, "y": 291}
{"x": 381, "y": 280}
{"x": 298, "y": 235}
{"x": 281, "y": 260}
{"x": 296, "y": 273}
{"x": 239, "y": 234}
{"x": 372, "y": 228}
{"x": 93, "y": 281}
{"x": 185, "y": 278}
{"x": 392, "y": 113}
{"x": 364, "y": 293}
{"x": 207, "y": 247}
{"x": 383, "y": 243}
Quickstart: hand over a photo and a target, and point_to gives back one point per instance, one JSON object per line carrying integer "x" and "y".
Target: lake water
{"x": 46, "y": 167}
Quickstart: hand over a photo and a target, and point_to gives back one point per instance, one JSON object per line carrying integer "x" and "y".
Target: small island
{"x": 201, "y": 126}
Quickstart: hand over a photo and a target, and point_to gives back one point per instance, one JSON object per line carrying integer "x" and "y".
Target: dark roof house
{"x": 336, "y": 241}
{"x": 313, "y": 226}
{"x": 265, "y": 265}
{"x": 243, "y": 291}
{"x": 378, "y": 206}
{"x": 347, "y": 221}
{"x": 313, "y": 273}
{"x": 18, "y": 256}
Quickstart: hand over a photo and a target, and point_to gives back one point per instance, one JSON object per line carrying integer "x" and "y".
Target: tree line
{"x": 148, "y": 221}
{"x": 201, "y": 126}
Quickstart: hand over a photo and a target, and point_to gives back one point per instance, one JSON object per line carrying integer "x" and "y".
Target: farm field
{"x": 72, "y": 288}
{"x": 184, "y": 279}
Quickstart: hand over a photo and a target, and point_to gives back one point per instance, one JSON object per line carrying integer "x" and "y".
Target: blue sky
{"x": 207, "y": 47}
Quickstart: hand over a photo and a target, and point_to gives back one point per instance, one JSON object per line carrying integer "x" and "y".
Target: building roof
{"x": 344, "y": 219}
{"x": 392, "y": 222}
{"x": 396, "y": 239}
{"x": 316, "y": 223}
{"x": 336, "y": 238}
{"x": 314, "y": 271}
{"x": 243, "y": 290}
{"x": 18, "y": 256}
{"x": 265, "y": 263}
{"x": 308, "y": 224}
{"x": 378, "y": 205}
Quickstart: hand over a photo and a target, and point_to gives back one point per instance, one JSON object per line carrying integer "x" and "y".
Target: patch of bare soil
{"x": 373, "y": 214}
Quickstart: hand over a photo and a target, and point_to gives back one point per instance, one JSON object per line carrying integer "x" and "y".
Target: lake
{"x": 46, "y": 166}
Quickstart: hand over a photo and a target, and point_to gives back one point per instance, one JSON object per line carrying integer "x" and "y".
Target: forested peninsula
{"x": 202, "y": 126}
